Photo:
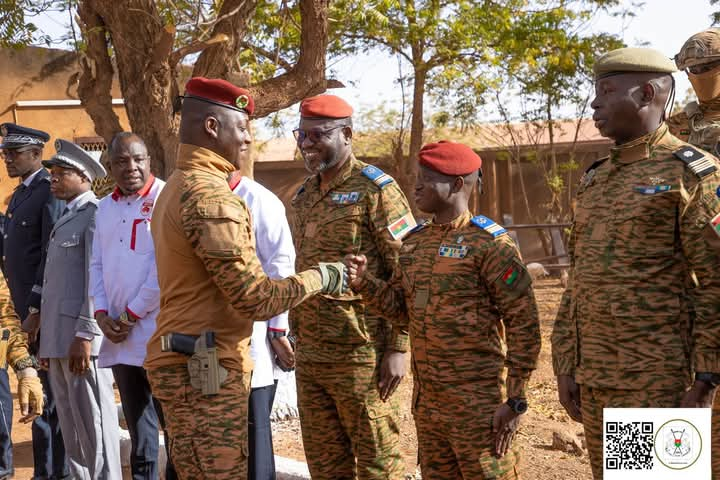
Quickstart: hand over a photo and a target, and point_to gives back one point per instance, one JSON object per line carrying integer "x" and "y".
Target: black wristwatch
{"x": 519, "y": 405}
{"x": 273, "y": 334}
{"x": 712, "y": 379}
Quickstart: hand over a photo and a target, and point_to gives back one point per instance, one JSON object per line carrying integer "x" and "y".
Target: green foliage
{"x": 16, "y": 27}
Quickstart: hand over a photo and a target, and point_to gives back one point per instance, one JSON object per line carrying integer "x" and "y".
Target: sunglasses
{"x": 702, "y": 68}
{"x": 314, "y": 134}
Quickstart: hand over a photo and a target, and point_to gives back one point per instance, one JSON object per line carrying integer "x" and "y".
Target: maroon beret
{"x": 325, "y": 106}
{"x": 220, "y": 92}
{"x": 449, "y": 158}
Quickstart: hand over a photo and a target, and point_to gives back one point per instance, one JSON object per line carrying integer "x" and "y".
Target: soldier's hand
{"x": 505, "y": 424}
{"x": 31, "y": 326}
{"x": 79, "y": 355}
{"x": 112, "y": 330}
{"x": 356, "y": 267}
{"x": 30, "y": 394}
{"x": 700, "y": 395}
{"x": 569, "y": 394}
{"x": 392, "y": 370}
{"x": 334, "y": 278}
{"x": 285, "y": 354}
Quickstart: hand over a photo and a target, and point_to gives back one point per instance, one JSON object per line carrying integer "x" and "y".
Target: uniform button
{"x": 42, "y": 301}
{"x": 5, "y": 236}
{"x": 9, "y": 215}
{"x": 23, "y": 223}
{"x": 123, "y": 221}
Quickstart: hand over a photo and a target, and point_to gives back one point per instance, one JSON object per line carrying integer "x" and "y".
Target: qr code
{"x": 629, "y": 446}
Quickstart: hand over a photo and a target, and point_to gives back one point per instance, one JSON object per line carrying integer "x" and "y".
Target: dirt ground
{"x": 539, "y": 460}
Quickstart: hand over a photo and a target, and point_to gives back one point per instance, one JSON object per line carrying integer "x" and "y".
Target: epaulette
{"x": 378, "y": 177}
{"x": 488, "y": 225}
{"x": 589, "y": 174}
{"x": 696, "y": 161}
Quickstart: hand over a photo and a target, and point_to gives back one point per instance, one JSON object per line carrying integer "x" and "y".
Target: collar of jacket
{"x": 640, "y": 148}
{"x": 192, "y": 157}
{"x": 460, "y": 221}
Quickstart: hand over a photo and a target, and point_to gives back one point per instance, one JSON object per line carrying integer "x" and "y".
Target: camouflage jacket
{"x": 17, "y": 356}
{"x": 699, "y": 125}
{"x": 461, "y": 289}
{"x": 362, "y": 211}
{"x": 645, "y": 228}
{"x": 209, "y": 275}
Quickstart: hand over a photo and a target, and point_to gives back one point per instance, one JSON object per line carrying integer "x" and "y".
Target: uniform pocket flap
{"x": 493, "y": 467}
{"x": 70, "y": 307}
{"x": 342, "y": 212}
{"x": 216, "y": 210}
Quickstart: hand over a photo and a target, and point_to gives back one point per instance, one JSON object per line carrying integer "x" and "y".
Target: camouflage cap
{"x": 632, "y": 60}
{"x": 703, "y": 47}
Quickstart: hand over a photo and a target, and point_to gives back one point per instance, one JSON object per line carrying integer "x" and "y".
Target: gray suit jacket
{"x": 66, "y": 306}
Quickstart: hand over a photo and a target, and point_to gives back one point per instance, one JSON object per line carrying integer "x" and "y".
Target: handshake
{"x": 338, "y": 277}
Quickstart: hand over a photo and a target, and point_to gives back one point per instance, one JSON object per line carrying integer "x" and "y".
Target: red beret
{"x": 220, "y": 92}
{"x": 325, "y": 106}
{"x": 449, "y": 158}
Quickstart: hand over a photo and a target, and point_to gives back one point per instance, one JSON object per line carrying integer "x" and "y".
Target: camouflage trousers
{"x": 593, "y": 400}
{"x": 348, "y": 432}
{"x": 208, "y": 435}
{"x": 454, "y": 430}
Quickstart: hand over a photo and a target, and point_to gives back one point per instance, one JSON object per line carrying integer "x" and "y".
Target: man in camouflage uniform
{"x": 646, "y": 225}
{"x": 211, "y": 280}
{"x": 461, "y": 289}
{"x": 348, "y": 365}
{"x": 699, "y": 124}
{"x": 14, "y": 351}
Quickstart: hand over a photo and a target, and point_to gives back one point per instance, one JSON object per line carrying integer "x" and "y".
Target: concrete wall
{"x": 43, "y": 74}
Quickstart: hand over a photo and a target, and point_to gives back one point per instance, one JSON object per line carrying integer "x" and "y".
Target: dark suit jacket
{"x": 26, "y": 229}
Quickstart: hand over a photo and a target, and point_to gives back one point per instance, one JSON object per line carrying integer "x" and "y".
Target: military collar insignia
{"x": 453, "y": 251}
{"x": 696, "y": 161}
{"x": 488, "y": 225}
{"x": 347, "y": 198}
{"x": 459, "y": 239}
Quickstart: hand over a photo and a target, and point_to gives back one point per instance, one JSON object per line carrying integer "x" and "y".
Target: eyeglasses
{"x": 63, "y": 173}
{"x": 702, "y": 68}
{"x": 314, "y": 134}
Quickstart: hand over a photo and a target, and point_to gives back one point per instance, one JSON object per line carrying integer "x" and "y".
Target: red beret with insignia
{"x": 220, "y": 92}
{"x": 449, "y": 158}
{"x": 325, "y": 106}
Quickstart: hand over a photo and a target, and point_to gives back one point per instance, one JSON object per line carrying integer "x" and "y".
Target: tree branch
{"x": 95, "y": 83}
{"x": 272, "y": 56}
{"x": 182, "y": 52}
{"x": 216, "y": 60}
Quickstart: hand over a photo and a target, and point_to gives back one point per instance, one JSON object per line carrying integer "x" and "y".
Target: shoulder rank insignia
{"x": 696, "y": 161}
{"x": 379, "y": 177}
{"x": 488, "y": 225}
{"x": 589, "y": 175}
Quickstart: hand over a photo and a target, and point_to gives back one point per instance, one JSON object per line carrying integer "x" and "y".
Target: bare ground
{"x": 539, "y": 460}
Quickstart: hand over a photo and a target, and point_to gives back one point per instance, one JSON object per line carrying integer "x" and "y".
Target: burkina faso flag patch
{"x": 510, "y": 276}
{"x": 715, "y": 223}
{"x": 513, "y": 276}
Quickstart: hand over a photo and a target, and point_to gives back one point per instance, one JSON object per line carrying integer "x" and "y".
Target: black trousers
{"x": 144, "y": 418}
{"x": 261, "y": 461}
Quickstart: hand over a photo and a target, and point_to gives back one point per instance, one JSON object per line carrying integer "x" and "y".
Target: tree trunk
{"x": 408, "y": 168}
{"x": 95, "y": 83}
{"x": 148, "y": 75}
{"x": 216, "y": 61}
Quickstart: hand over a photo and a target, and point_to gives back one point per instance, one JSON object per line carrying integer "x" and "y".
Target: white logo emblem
{"x": 688, "y": 154}
{"x": 678, "y": 444}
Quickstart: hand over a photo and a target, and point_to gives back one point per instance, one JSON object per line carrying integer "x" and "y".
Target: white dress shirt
{"x": 274, "y": 246}
{"x": 31, "y": 177}
{"x": 123, "y": 274}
